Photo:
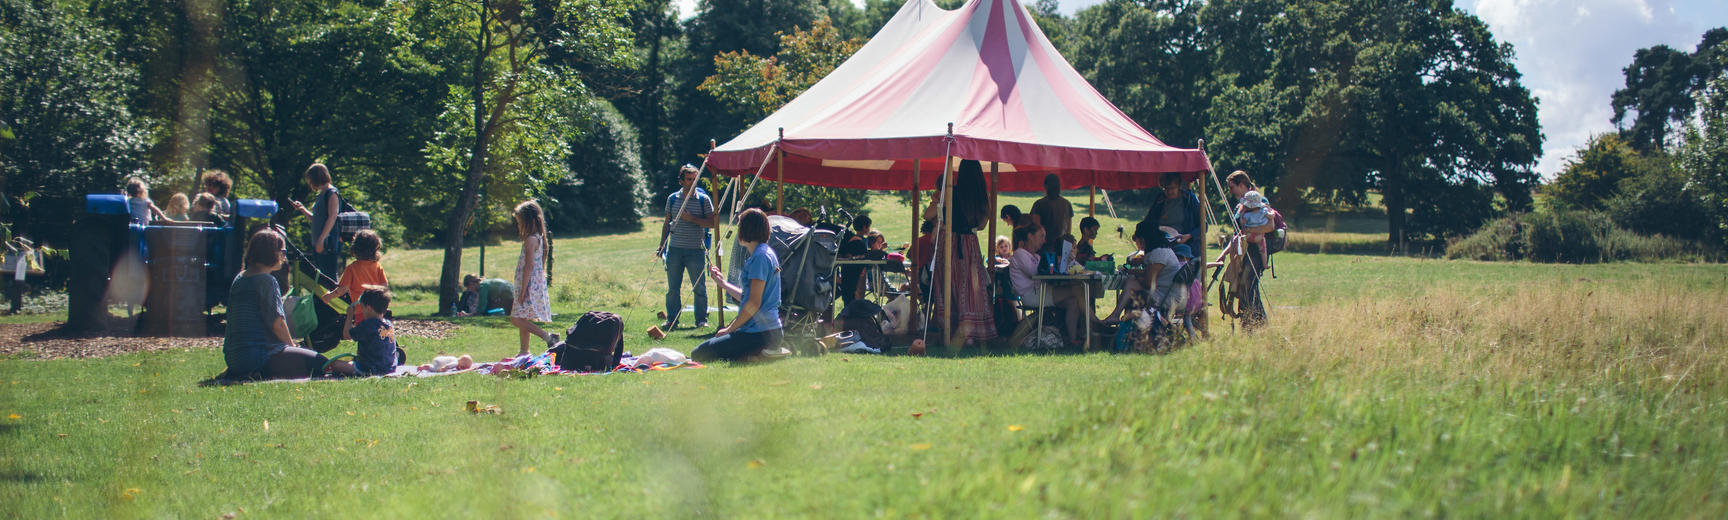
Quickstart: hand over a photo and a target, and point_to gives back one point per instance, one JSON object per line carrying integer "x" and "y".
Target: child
{"x": 204, "y": 210}
{"x": 856, "y": 247}
{"x": 364, "y": 273}
{"x": 178, "y": 207}
{"x": 375, "y": 340}
{"x": 1254, "y": 219}
{"x": 138, "y": 202}
{"x": 217, "y": 184}
{"x": 1084, "y": 251}
{"x": 531, "y": 303}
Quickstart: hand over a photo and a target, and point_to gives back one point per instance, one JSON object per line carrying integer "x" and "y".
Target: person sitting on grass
{"x": 257, "y": 344}
{"x": 363, "y": 273}
{"x": 479, "y": 297}
{"x": 756, "y": 330}
{"x": 374, "y": 338}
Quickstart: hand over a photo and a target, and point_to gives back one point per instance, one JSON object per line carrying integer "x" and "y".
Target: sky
{"x": 1570, "y": 52}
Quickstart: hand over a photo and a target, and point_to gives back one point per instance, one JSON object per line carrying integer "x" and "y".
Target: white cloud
{"x": 1572, "y": 51}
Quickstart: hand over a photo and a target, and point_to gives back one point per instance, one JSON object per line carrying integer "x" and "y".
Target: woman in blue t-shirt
{"x": 757, "y": 327}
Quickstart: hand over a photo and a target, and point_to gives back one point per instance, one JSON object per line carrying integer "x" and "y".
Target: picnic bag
{"x": 865, "y": 318}
{"x": 594, "y": 344}
{"x": 350, "y": 221}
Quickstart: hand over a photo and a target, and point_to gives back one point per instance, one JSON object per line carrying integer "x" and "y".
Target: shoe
{"x": 668, "y": 326}
{"x": 701, "y": 324}
{"x": 775, "y": 353}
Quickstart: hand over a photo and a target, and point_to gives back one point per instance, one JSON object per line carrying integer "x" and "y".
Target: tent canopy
{"x": 987, "y": 70}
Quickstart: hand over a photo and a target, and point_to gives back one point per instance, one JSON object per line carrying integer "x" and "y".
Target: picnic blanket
{"x": 528, "y": 366}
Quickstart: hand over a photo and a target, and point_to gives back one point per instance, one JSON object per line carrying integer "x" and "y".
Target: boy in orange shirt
{"x": 364, "y": 273}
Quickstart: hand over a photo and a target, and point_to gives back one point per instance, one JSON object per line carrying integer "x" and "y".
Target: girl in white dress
{"x": 532, "y": 305}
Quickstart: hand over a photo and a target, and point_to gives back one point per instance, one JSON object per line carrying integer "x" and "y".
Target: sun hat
{"x": 1253, "y": 200}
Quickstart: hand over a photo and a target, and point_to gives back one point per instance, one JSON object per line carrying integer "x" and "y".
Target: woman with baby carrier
{"x": 756, "y": 329}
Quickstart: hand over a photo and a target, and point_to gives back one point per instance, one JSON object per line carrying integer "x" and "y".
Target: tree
{"x": 1661, "y": 85}
{"x": 750, "y": 87}
{"x": 1593, "y": 177}
{"x": 606, "y": 187}
{"x": 507, "y": 96}
{"x": 65, "y": 129}
{"x": 1147, "y": 58}
{"x": 1704, "y": 153}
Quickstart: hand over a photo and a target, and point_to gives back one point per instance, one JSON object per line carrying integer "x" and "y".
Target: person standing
{"x": 1055, "y": 214}
{"x": 973, "y": 320}
{"x": 326, "y": 242}
{"x": 687, "y": 225}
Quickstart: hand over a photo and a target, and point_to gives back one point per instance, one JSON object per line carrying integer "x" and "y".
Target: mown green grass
{"x": 1385, "y": 386}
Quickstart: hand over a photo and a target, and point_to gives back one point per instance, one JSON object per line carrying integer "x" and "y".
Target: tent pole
{"x": 947, "y": 250}
{"x": 990, "y": 242}
{"x": 780, "y": 182}
{"x": 916, "y": 204}
{"x": 1092, "y": 201}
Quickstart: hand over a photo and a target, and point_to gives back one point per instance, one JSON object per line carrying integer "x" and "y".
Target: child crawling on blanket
{"x": 375, "y": 340}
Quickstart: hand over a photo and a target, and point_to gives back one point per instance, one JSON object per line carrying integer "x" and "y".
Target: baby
{"x": 1255, "y": 220}
{"x": 448, "y": 364}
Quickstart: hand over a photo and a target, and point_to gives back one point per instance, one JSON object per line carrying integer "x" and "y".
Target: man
{"x": 1179, "y": 208}
{"x": 685, "y": 252}
{"x": 1054, "y": 213}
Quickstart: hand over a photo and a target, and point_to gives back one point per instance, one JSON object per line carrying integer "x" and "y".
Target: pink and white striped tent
{"x": 988, "y": 70}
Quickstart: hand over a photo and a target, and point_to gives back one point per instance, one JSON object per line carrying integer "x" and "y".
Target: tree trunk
{"x": 1392, "y": 196}
{"x": 456, "y": 226}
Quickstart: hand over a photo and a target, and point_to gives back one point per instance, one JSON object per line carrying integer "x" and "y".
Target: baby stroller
{"x": 303, "y": 275}
{"x": 806, "y": 261}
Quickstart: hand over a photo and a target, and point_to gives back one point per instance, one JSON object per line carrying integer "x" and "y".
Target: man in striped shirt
{"x": 685, "y": 252}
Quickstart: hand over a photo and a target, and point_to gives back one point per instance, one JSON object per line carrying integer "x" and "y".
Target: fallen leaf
{"x": 1015, "y": 427}
{"x": 130, "y": 493}
{"x": 755, "y": 464}
{"x": 266, "y": 425}
{"x": 816, "y": 386}
{"x": 921, "y": 446}
{"x": 917, "y": 415}
{"x": 14, "y": 417}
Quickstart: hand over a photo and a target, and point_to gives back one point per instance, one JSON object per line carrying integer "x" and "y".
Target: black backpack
{"x": 865, "y": 318}
{"x": 594, "y": 344}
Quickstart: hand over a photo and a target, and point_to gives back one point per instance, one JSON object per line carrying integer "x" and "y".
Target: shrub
{"x": 1573, "y": 237}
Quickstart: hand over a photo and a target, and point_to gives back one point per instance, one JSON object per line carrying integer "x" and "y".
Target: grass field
{"x": 1384, "y": 386}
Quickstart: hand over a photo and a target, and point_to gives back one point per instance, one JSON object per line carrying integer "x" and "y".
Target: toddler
{"x": 364, "y": 273}
{"x": 1254, "y": 219}
{"x": 375, "y": 340}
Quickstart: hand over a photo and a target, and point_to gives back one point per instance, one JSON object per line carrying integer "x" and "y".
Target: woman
{"x": 257, "y": 343}
{"x": 972, "y": 319}
{"x": 1251, "y": 307}
{"x": 326, "y": 243}
{"x": 757, "y": 327}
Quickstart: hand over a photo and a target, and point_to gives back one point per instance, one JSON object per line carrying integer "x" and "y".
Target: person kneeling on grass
{"x": 756, "y": 330}
{"x": 374, "y": 338}
{"x": 257, "y": 344}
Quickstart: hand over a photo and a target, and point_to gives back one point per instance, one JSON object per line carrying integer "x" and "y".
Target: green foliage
{"x": 749, "y": 87}
{"x": 67, "y": 128}
{"x": 1662, "y": 84}
{"x": 606, "y": 187}
{"x": 1660, "y": 200}
{"x": 1593, "y": 177}
{"x": 1704, "y": 154}
{"x": 1566, "y": 236}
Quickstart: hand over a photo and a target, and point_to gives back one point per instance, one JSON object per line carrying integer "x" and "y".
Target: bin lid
{"x": 254, "y": 208}
{"x": 106, "y": 204}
